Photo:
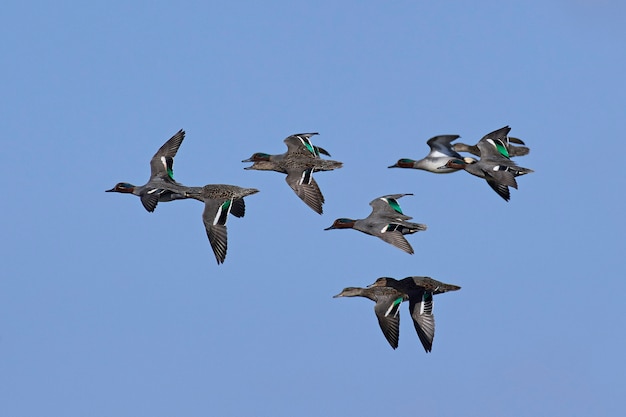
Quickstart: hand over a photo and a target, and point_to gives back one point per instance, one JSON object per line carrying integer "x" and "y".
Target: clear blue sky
{"x": 107, "y": 310}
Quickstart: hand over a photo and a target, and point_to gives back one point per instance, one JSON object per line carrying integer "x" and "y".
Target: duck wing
{"x": 421, "y": 308}
{"x": 387, "y": 311}
{"x": 162, "y": 163}
{"x": 214, "y": 218}
{"x": 300, "y": 144}
{"x": 441, "y": 146}
{"x": 304, "y": 185}
{"x": 387, "y": 207}
{"x": 392, "y": 234}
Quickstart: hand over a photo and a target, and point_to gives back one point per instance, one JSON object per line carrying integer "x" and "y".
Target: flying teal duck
{"x": 387, "y": 307}
{"x": 494, "y": 165}
{"x": 161, "y": 186}
{"x": 512, "y": 150}
{"x": 441, "y": 152}
{"x": 419, "y": 291}
{"x": 300, "y": 161}
{"x": 386, "y": 221}
{"x": 219, "y": 200}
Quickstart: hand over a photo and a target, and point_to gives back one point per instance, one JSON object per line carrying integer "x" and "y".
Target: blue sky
{"x": 107, "y": 310}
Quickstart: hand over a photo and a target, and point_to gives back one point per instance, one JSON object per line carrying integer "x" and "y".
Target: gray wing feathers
{"x": 424, "y": 321}
{"x": 309, "y": 193}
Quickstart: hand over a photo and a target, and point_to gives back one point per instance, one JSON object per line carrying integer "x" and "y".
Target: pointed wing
{"x": 518, "y": 150}
{"x": 397, "y": 239}
{"x": 162, "y": 163}
{"x": 304, "y": 185}
{"x": 511, "y": 139}
{"x": 301, "y": 144}
{"x": 387, "y": 207}
{"x": 388, "y": 316}
{"x": 238, "y": 208}
{"x": 500, "y": 181}
{"x": 214, "y": 218}
{"x": 421, "y": 308}
{"x": 488, "y": 144}
{"x": 319, "y": 150}
{"x": 441, "y": 146}
{"x": 502, "y": 190}
{"x": 150, "y": 199}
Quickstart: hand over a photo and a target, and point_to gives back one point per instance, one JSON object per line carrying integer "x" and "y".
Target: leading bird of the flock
{"x": 389, "y": 293}
{"x": 161, "y": 187}
{"x": 440, "y": 153}
{"x": 219, "y": 201}
{"x": 443, "y": 150}
{"x": 300, "y": 161}
{"x": 494, "y": 165}
{"x": 386, "y": 221}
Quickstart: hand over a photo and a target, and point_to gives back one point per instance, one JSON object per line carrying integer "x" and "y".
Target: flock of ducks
{"x": 386, "y": 221}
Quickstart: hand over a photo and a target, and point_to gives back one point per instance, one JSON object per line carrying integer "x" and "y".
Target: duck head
{"x": 456, "y": 163}
{"x": 403, "y": 163}
{"x": 342, "y": 223}
{"x": 261, "y": 162}
{"x": 349, "y": 292}
{"x": 256, "y": 157}
{"x": 381, "y": 282}
{"x": 122, "y": 187}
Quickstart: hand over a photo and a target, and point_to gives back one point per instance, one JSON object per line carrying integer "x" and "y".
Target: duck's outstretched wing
{"x": 162, "y": 163}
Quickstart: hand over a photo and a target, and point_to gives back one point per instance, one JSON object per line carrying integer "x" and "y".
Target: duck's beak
{"x": 394, "y": 166}
{"x": 330, "y": 228}
{"x": 247, "y": 160}
{"x": 109, "y": 191}
{"x": 338, "y": 295}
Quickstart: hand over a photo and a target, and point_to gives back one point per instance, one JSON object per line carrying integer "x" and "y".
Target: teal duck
{"x": 300, "y": 161}
{"x": 387, "y": 307}
{"x": 441, "y": 152}
{"x": 512, "y": 150}
{"x": 161, "y": 187}
{"x": 419, "y": 291}
{"x": 219, "y": 201}
{"x": 494, "y": 164}
{"x": 386, "y": 221}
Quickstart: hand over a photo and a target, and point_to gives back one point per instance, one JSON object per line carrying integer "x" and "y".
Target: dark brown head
{"x": 122, "y": 187}
{"x": 342, "y": 223}
{"x": 259, "y": 156}
{"x": 403, "y": 163}
{"x": 382, "y": 282}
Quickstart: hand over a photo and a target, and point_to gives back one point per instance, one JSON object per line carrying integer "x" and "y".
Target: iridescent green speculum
{"x": 394, "y": 205}
{"x": 502, "y": 149}
{"x": 170, "y": 173}
{"x": 397, "y": 301}
{"x": 226, "y": 204}
{"x": 307, "y": 144}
